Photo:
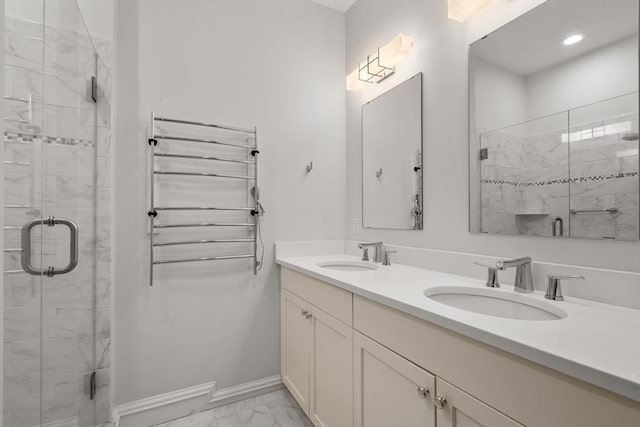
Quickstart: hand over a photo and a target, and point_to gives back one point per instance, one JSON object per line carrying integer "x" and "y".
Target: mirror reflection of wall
{"x": 554, "y": 109}
{"x": 392, "y": 157}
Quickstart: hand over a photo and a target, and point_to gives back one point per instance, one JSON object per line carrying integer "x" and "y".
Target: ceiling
{"x": 341, "y": 5}
{"x": 533, "y": 41}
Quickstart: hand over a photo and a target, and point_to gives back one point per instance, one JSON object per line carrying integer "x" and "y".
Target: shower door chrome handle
{"x": 26, "y": 246}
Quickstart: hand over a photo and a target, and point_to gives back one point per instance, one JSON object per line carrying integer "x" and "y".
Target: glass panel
{"x": 56, "y": 331}
{"x": 524, "y": 178}
{"x": 23, "y": 89}
{"x": 604, "y": 169}
{"x": 69, "y": 170}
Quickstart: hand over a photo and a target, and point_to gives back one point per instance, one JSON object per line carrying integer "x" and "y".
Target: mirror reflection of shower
{"x": 555, "y": 124}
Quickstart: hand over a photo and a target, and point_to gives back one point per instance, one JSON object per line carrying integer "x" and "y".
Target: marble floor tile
{"x": 287, "y": 413}
{"x": 258, "y": 416}
{"x": 233, "y": 408}
{"x": 274, "y": 409}
{"x": 202, "y": 419}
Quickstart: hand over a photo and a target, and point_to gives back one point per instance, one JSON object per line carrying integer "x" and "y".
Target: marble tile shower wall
{"x": 57, "y": 149}
{"x": 527, "y": 181}
{"x": 501, "y": 177}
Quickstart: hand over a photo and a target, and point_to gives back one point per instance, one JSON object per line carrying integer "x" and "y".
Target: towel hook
{"x": 379, "y": 173}
{"x": 309, "y": 167}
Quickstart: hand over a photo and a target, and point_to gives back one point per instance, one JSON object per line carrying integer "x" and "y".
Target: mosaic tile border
{"x": 559, "y": 181}
{"x": 26, "y": 138}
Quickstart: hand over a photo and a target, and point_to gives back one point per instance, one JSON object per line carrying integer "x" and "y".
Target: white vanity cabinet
{"x": 296, "y": 347}
{"x": 390, "y": 390}
{"x": 317, "y": 350}
{"x": 487, "y": 386}
{"x": 350, "y": 361}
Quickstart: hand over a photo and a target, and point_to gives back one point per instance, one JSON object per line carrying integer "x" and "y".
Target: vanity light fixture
{"x": 573, "y": 39}
{"x": 461, "y": 10}
{"x": 382, "y": 63}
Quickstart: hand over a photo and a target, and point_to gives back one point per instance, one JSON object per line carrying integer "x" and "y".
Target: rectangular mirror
{"x": 554, "y": 123}
{"x": 392, "y": 158}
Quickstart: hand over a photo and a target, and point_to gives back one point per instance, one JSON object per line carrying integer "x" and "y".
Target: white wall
{"x": 491, "y": 82}
{"x": 441, "y": 52}
{"x": 604, "y": 73}
{"x": 277, "y": 64}
{"x": 98, "y": 17}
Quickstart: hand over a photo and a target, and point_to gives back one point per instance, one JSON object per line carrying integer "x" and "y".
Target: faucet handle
{"x": 387, "y": 259}
{"x": 492, "y": 275}
{"x": 481, "y": 264}
{"x": 365, "y": 254}
{"x": 554, "y": 291}
{"x": 565, "y": 276}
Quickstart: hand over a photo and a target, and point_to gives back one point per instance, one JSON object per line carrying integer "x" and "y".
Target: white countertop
{"x": 597, "y": 343}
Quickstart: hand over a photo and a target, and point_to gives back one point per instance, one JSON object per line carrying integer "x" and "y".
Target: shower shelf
{"x": 251, "y": 161}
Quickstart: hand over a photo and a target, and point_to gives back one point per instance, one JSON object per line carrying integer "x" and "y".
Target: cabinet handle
{"x": 440, "y": 402}
{"x": 308, "y": 315}
{"x": 423, "y": 392}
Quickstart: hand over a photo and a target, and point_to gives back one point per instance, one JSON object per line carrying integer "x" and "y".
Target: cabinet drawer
{"x": 534, "y": 395}
{"x": 332, "y": 300}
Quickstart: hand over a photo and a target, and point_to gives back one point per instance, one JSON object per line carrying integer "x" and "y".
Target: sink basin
{"x": 495, "y": 303}
{"x": 348, "y": 265}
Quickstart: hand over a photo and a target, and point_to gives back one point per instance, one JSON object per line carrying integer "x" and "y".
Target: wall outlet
{"x": 355, "y": 225}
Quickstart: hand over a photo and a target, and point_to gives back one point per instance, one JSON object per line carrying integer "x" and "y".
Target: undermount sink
{"x": 342, "y": 265}
{"x": 495, "y": 303}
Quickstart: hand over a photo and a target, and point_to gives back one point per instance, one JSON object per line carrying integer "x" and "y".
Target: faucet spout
{"x": 517, "y": 262}
{"x": 524, "y": 278}
{"x": 376, "y": 245}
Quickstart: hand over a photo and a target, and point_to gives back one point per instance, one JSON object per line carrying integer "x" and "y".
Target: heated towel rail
{"x": 251, "y": 150}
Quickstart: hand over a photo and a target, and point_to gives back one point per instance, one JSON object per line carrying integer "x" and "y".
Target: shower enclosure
{"x": 571, "y": 174}
{"x": 56, "y": 278}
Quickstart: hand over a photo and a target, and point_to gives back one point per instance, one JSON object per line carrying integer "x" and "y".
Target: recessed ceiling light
{"x": 573, "y": 39}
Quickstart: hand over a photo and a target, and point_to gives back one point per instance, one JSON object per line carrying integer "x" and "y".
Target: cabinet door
{"x": 458, "y": 409}
{"x": 295, "y": 347}
{"x": 388, "y": 389}
{"x": 331, "y": 371}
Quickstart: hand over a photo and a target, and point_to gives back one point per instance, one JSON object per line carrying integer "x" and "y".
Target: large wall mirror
{"x": 392, "y": 158}
{"x": 554, "y": 123}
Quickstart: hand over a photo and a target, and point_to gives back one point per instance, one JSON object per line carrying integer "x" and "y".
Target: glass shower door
{"x": 605, "y": 184}
{"x": 49, "y": 223}
{"x": 22, "y": 179}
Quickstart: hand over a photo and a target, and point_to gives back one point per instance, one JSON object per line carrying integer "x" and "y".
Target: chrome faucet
{"x": 524, "y": 279}
{"x": 554, "y": 292}
{"x": 365, "y": 251}
{"x": 386, "y": 258}
{"x": 492, "y": 275}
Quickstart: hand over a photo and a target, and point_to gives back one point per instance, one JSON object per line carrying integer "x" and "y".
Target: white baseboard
{"x": 244, "y": 391}
{"x": 180, "y": 403}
